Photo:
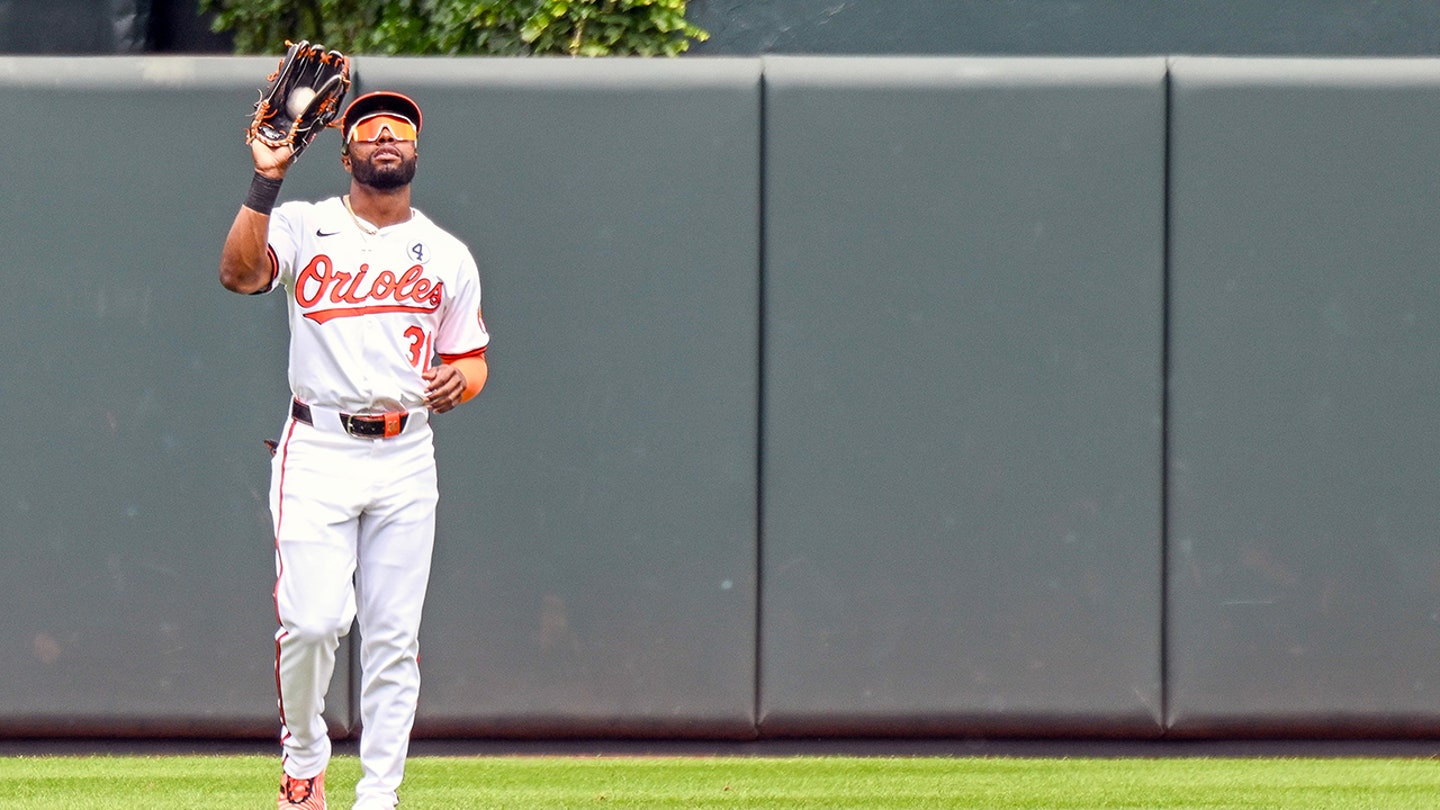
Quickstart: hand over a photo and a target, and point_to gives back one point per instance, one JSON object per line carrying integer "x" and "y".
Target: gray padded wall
{"x": 938, "y": 320}
{"x": 961, "y": 421}
{"x": 1305, "y": 337}
{"x": 134, "y": 525}
{"x": 596, "y": 562}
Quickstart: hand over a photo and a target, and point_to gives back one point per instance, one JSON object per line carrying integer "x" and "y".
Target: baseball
{"x": 297, "y": 102}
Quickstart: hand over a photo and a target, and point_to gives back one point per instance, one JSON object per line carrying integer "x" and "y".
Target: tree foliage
{"x": 456, "y": 27}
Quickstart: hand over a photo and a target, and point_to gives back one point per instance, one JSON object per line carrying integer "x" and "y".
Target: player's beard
{"x": 388, "y": 177}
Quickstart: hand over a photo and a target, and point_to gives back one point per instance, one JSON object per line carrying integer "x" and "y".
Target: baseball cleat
{"x": 302, "y": 794}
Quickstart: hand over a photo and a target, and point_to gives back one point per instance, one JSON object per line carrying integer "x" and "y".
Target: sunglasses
{"x": 368, "y": 129}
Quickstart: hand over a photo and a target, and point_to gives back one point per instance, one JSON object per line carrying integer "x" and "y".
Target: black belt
{"x": 378, "y": 426}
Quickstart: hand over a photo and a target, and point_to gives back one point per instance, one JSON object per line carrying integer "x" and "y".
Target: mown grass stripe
{"x": 742, "y": 783}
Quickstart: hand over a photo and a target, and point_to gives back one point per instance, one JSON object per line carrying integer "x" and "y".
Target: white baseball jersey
{"x": 355, "y": 517}
{"x": 368, "y": 310}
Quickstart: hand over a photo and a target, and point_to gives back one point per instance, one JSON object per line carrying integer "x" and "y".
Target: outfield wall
{"x": 878, "y": 396}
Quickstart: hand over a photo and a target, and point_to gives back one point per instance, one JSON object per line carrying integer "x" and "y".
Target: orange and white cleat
{"x": 302, "y": 794}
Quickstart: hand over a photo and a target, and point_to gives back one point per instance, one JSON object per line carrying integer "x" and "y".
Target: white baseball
{"x": 299, "y": 99}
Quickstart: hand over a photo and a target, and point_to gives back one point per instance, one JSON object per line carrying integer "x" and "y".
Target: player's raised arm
{"x": 245, "y": 260}
{"x": 302, "y": 98}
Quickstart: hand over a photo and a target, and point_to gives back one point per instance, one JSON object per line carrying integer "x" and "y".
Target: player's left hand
{"x": 443, "y": 386}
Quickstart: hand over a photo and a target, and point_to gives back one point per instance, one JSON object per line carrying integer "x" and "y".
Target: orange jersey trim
{"x": 451, "y": 358}
{"x": 274, "y": 271}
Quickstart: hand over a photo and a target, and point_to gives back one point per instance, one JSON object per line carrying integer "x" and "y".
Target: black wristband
{"x": 263, "y": 191}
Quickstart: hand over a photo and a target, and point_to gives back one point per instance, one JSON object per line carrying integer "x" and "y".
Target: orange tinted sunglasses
{"x": 368, "y": 129}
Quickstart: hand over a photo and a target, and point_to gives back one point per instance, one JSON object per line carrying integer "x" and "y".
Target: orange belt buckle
{"x": 394, "y": 423}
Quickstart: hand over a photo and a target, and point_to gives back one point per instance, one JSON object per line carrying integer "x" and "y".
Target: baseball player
{"x": 375, "y": 290}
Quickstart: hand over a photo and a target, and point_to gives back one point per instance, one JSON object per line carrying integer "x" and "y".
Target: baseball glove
{"x": 303, "y": 97}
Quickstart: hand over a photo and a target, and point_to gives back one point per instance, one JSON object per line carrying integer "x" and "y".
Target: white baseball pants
{"x": 354, "y": 531}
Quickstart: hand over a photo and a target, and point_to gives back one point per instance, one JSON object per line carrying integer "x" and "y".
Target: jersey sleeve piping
{"x": 274, "y": 271}
{"x": 450, "y": 358}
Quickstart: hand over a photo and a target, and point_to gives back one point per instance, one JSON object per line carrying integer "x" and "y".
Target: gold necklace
{"x": 362, "y": 226}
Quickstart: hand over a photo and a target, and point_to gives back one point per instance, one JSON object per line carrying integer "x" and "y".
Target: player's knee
{"x": 316, "y": 629}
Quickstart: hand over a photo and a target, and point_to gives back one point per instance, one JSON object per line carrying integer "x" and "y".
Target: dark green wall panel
{"x": 1303, "y": 503}
{"x": 962, "y": 409}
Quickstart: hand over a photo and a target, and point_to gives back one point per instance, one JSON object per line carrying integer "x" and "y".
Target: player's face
{"x": 383, "y": 164}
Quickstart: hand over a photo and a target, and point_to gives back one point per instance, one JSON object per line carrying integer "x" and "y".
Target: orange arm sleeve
{"x": 475, "y": 370}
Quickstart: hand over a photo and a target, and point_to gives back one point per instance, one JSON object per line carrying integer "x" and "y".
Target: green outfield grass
{"x": 556, "y": 783}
